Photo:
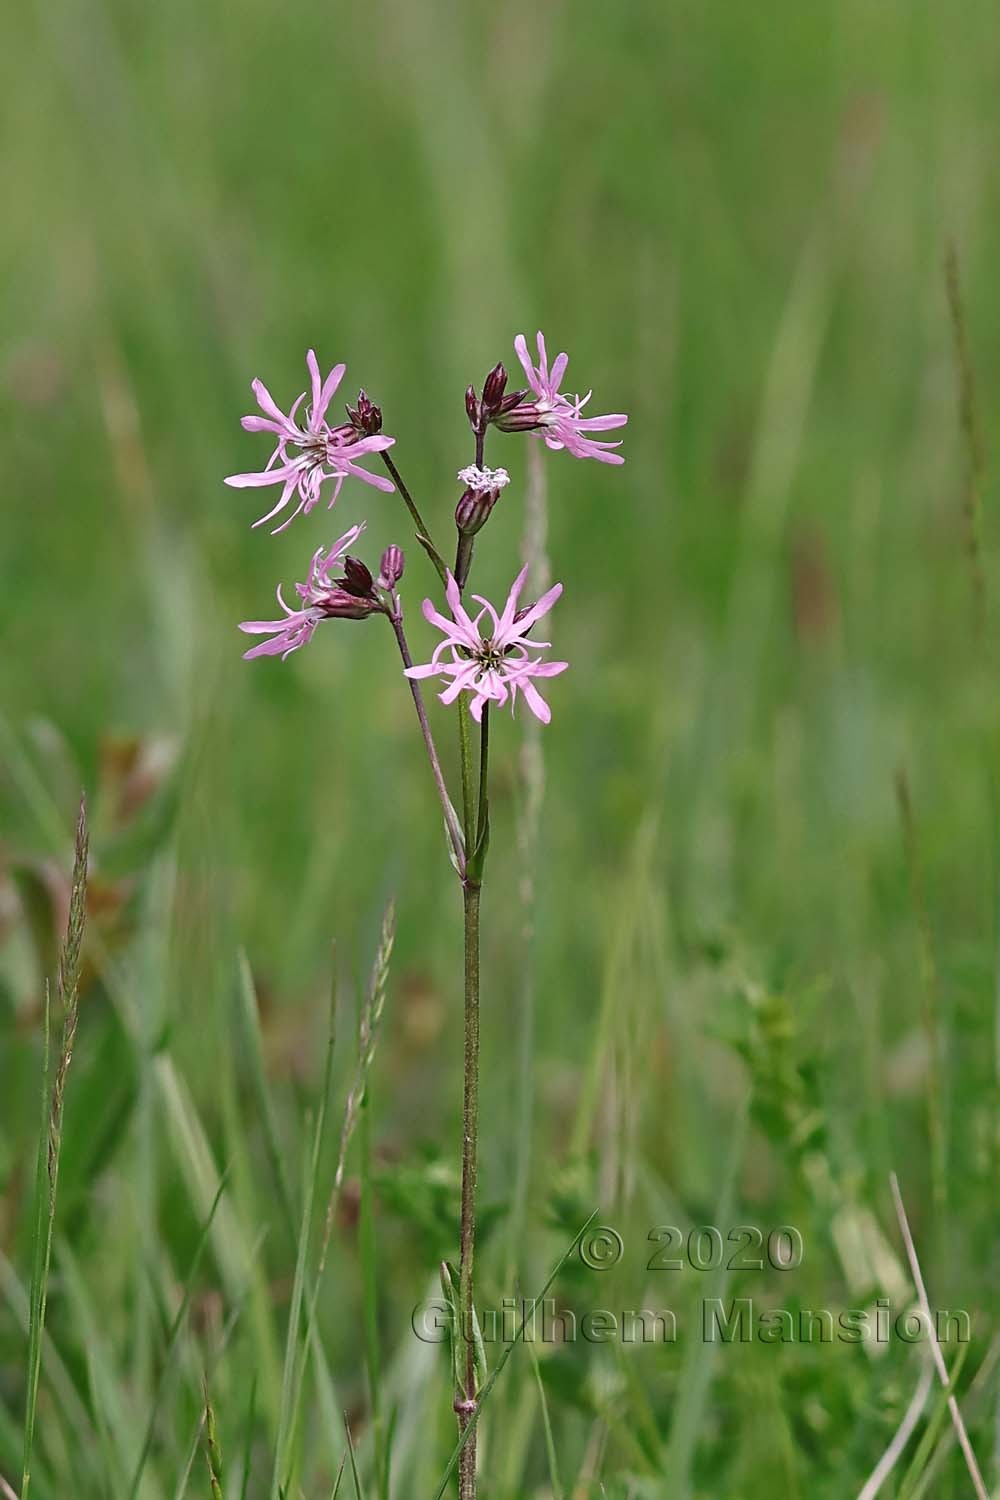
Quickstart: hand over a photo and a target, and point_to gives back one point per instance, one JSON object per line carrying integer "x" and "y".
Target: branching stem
{"x": 423, "y": 534}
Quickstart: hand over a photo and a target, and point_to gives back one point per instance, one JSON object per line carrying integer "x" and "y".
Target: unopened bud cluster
{"x": 493, "y": 404}
{"x": 366, "y": 417}
{"x": 357, "y": 594}
{"x": 353, "y": 596}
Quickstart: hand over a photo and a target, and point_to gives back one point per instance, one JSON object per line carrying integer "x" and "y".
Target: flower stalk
{"x": 458, "y": 842}
{"x": 466, "y": 1399}
{"x": 422, "y": 530}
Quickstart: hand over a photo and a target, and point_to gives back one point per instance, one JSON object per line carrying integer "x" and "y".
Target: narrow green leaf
{"x": 50, "y": 1134}
{"x": 354, "y": 1462}
{"x": 506, "y": 1354}
{"x": 292, "y": 1376}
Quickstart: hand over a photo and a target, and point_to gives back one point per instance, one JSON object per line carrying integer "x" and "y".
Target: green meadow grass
{"x": 746, "y": 965}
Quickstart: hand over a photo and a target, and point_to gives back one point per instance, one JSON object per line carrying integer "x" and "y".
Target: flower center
{"x": 313, "y": 451}
{"x": 491, "y": 657}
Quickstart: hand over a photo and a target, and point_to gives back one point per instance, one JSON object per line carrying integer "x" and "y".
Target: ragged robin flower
{"x": 560, "y": 420}
{"x": 352, "y": 596}
{"x": 308, "y": 455}
{"x": 494, "y": 667}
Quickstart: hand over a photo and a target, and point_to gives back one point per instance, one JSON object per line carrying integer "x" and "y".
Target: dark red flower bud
{"x": 366, "y": 417}
{"x": 391, "y": 567}
{"x": 472, "y": 408}
{"x": 474, "y": 508}
{"x": 357, "y": 578}
{"x": 493, "y": 388}
{"x": 521, "y": 418}
{"x": 514, "y": 398}
{"x": 340, "y": 604}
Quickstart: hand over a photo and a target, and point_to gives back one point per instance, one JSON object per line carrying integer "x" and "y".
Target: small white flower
{"x": 483, "y": 479}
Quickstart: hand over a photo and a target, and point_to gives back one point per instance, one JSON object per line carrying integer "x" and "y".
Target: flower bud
{"x": 512, "y": 399}
{"x": 493, "y": 388}
{"x": 473, "y": 510}
{"x": 525, "y": 416}
{"x": 366, "y": 417}
{"x": 391, "y": 567}
{"x": 482, "y": 491}
{"x": 472, "y": 408}
{"x": 339, "y": 604}
{"x": 357, "y": 579}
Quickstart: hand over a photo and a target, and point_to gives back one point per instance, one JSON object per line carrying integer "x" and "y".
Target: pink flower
{"x": 560, "y": 419}
{"x": 306, "y": 456}
{"x": 352, "y": 597}
{"x": 494, "y": 667}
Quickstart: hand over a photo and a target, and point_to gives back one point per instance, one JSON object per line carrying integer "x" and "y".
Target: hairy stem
{"x": 450, "y": 816}
{"x": 465, "y": 1399}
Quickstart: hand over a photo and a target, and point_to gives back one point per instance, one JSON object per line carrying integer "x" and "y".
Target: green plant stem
{"x": 465, "y": 759}
{"x": 450, "y": 816}
{"x": 423, "y": 533}
{"x": 484, "y": 766}
{"x": 465, "y": 1399}
{"x": 463, "y": 558}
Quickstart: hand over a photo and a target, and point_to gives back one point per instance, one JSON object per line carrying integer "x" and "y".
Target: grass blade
{"x": 550, "y": 1447}
{"x": 213, "y": 1453}
{"x": 954, "y": 1411}
{"x": 339, "y": 1478}
{"x": 354, "y": 1461}
{"x": 50, "y": 1141}
{"x": 505, "y": 1356}
{"x": 371, "y": 1016}
{"x": 929, "y": 1442}
{"x": 248, "y": 1023}
{"x": 292, "y": 1376}
{"x": 900, "y": 1437}
{"x": 166, "y": 1359}
{"x": 369, "y": 1276}
{"x": 248, "y": 1442}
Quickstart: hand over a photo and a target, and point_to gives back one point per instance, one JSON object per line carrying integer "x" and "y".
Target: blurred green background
{"x": 765, "y": 891}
